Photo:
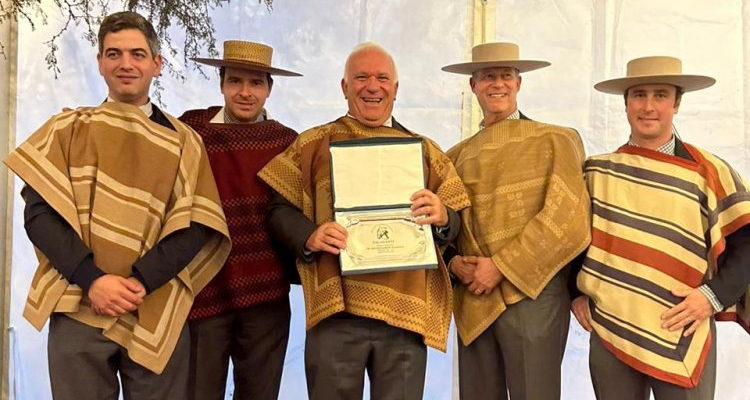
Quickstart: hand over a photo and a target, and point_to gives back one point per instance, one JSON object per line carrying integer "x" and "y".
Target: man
{"x": 124, "y": 213}
{"x": 669, "y": 250}
{"x": 529, "y": 218}
{"x": 379, "y": 322}
{"x": 243, "y": 313}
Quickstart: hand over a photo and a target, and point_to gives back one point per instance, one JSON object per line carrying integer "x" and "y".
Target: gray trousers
{"x": 615, "y": 380}
{"x": 83, "y": 365}
{"x": 521, "y": 352}
{"x": 255, "y": 338}
{"x": 340, "y": 348}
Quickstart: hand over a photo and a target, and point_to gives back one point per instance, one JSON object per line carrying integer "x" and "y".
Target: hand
{"x": 142, "y": 291}
{"x": 428, "y": 204}
{"x": 486, "y": 276}
{"x": 463, "y": 268}
{"x": 114, "y": 295}
{"x": 691, "y": 311}
{"x": 329, "y": 237}
{"x": 582, "y": 312}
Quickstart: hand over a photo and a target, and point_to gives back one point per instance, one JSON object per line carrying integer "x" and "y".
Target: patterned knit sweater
{"x": 253, "y": 273}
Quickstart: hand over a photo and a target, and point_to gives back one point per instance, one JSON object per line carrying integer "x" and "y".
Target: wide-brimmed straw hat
{"x": 246, "y": 55}
{"x": 499, "y": 54}
{"x": 654, "y": 70}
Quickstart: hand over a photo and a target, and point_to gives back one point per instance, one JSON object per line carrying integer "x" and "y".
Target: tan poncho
{"x": 418, "y": 301}
{"x": 529, "y": 214}
{"x": 123, "y": 183}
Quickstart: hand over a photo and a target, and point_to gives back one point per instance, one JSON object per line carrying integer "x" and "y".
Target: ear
{"x": 677, "y": 105}
{"x": 472, "y": 83}
{"x": 395, "y": 90}
{"x": 343, "y": 87}
{"x": 99, "y": 63}
{"x": 157, "y": 65}
{"x": 519, "y": 82}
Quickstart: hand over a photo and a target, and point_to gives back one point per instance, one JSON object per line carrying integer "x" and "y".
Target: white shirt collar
{"x": 514, "y": 115}
{"x": 388, "y": 122}
{"x": 147, "y": 108}
{"x": 221, "y": 117}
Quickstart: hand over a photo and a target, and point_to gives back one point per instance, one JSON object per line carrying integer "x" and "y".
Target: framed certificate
{"x": 372, "y": 181}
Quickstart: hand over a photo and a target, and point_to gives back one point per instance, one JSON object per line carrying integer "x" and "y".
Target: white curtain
{"x": 586, "y": 41}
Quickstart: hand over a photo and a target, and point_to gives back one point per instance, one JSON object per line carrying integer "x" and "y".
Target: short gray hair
{"x": 370, "y": 46}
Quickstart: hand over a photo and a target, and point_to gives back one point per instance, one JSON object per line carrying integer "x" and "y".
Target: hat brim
{"x": 688, "y": 83}
{"x": 215, "y": 62}
{"x": 468, "y": 68}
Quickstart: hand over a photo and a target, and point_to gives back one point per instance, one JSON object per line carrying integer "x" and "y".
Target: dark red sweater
{"x": 253, "y": 273}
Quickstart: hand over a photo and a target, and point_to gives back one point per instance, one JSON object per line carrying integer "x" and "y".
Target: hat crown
{"x": 655, "y": 70}
{"x": 656, "y": 65}
{"x": 248, "y": 52}
{"x": 499, "y": 51}
{"x": 495, "y": 55}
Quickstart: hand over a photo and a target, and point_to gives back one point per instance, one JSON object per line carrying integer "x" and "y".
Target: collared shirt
{"x": 514, "y": 115}
{"x": 388, "y": 122}
{"x": 147, "y": 108}
{"x": 222, "y": 117}
{"x": 666, "y": 148}
{"x": 669, "y": 148}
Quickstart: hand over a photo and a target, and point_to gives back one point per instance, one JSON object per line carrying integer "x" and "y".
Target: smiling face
{"x": 127, "y": 65}
{"x": 245, "y": 93}
{"x": 370, "y": 85}
{"x": 650, "y": 109}
{"x": 496, "y": 89}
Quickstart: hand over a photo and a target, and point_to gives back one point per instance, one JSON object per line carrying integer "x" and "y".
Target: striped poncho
{"x": 659, "y": 222}
{"x": 123, "y": 183}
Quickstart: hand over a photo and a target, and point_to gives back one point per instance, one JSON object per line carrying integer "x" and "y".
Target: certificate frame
{"x": 383, "y": 236}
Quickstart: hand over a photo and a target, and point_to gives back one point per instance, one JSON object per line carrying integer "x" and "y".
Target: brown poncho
{"x": 123, "y": 183}
{"x": 418, "y": 301}
{"x": 529, "y": 214}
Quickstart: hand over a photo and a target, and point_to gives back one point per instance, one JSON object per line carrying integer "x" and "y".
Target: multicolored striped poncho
{"x": 660, "y": 222}
{"x": 123, "y": 183}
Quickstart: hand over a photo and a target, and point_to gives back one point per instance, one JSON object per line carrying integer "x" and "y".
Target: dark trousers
{"x": 521, "y": 352}
{"x": 339, "y": 350}
{"x": 83, "y": 365}
{"x": 255, "y": 338}
{"x": 615, "y": 380}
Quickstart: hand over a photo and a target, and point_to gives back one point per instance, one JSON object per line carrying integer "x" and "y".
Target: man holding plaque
{"x": 529, "y": 218}
{"x": 377, "y": 321}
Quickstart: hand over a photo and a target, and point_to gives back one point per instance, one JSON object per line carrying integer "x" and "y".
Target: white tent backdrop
{"x": 586, "y": 41}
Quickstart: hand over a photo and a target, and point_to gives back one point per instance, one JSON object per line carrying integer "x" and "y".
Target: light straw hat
{"x": 499, "y": 54}
{"x": 246, "y": 55}
{"x": 656, "y": 69}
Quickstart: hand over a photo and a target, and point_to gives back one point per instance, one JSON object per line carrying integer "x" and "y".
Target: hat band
{"x": 246, "y": 61}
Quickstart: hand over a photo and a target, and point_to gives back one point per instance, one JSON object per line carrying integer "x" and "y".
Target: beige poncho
{"x": 123, "y": 183}
{"x": 529, "y": 214}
